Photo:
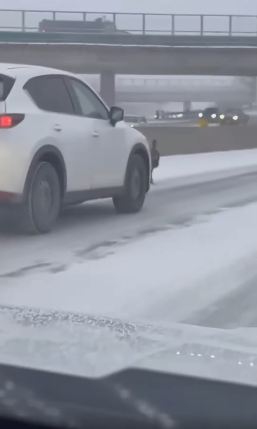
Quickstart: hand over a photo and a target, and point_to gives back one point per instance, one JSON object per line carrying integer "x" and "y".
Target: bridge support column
{"x": 107, "y": 87}
{"x": 255, "y": 89}
{"x": 187, "y": 106}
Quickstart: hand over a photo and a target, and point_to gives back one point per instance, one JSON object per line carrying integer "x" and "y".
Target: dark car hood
{"x": 93, "y": 346}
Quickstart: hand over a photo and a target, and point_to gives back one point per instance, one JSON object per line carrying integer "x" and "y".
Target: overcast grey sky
{"x": 244, "y": 7}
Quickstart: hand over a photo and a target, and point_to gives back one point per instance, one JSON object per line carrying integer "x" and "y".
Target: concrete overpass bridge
{"x": 190, "y": 45}
{"x": 134, "y": 60}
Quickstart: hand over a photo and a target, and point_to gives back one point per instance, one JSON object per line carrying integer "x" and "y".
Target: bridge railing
{"x": 224, "y": 82}
{"x": 135, "y": 23}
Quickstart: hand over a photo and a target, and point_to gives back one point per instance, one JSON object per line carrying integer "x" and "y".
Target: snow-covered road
{"x": 104, "y": 292}
{"x": 186, "y": 254}
{"x": 89, "y": 231}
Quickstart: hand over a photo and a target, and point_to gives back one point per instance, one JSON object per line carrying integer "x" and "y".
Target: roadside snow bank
{"x": 181, "y": 166}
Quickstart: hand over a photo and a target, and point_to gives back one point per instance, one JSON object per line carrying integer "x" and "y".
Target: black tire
{"x": 43, "y": 200}
{"x": 135, "y": 187}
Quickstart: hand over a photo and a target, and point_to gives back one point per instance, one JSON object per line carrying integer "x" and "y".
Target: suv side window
{"x": 88, "y": 103}
{"x": 50, "y": 93}
{"x": 6, "y": 84}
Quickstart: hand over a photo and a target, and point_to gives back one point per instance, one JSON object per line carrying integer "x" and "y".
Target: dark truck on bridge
{"x": 100, "y": 25}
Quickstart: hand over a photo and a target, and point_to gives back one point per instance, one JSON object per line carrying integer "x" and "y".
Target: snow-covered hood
{"x": 94, "y": 346}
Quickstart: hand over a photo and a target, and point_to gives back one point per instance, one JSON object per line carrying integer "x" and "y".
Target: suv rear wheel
{"x": 135, "y": 187}
{"x": 43, "y": 200}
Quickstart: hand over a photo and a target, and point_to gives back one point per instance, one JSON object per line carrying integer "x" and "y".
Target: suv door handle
{"x": 57, "y": 127}
{"x": 95, "y": 134}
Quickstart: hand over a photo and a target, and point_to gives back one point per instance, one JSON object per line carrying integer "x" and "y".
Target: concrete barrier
{"x": 189, "y": 140}
{"x": 129, "y": 39}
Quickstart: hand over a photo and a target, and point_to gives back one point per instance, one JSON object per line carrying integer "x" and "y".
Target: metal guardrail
{"x": 179, "y": 83}
{"x": 129, "y": 40}
{"x": 135, "y": 23}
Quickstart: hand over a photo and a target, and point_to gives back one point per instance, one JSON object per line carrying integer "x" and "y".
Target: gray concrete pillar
{"x": 255, "y": 89}
{"x": 187, "y": 106}
{"x": 107, "y": 87}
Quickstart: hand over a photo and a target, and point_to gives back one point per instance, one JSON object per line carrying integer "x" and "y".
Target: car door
{"x": 61, "y": 128}
{"x": 108, "y": 149}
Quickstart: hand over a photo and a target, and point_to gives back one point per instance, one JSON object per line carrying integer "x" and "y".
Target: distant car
{"x": 134, "y": 120}
{"x": 174, "y": 115}
{"x": 211, "y": 115}
{"x": 234, "y": 117}
{"x": 61, "y": 145}
{"x": 160, "y": 114}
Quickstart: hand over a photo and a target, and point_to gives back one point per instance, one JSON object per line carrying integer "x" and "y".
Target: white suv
{"x": 60, "y": 145}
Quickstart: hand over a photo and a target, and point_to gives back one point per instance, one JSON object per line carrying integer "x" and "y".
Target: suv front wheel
{"x": 135, "y": 187}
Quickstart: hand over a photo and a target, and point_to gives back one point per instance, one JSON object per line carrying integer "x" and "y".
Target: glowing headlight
{"x": 132, "y": 126}
{"x": 235, "y": 118}
{"x": 180, "y": 115}
{"x": 213, "y": 115}
{"x": 200, "y": 115}
{"x": 222, "y": 116}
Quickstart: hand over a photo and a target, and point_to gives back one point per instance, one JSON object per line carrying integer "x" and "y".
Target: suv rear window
{"x": 6, "y": 84}
{"x": 50, "y": 93}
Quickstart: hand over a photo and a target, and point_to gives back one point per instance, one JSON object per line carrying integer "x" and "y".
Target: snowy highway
{"x": 105, "y": 291}
{"x": 189, "y": 256}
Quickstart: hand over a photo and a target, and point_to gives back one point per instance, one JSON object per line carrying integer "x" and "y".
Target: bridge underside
{"x": 110, "y": 60}
{"x": 135, "y": 59}
{"x": 225, "y": 97}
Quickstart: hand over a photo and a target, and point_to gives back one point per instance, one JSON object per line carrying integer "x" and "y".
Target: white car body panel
{"x": 91, "y": 162}
{"x": 110, "y": 153}
{"x": 2, "y": 106}
{"x": 75, "y": 145}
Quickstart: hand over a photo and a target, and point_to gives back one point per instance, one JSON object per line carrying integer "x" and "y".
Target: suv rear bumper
{"x": 8, "y": 199}
{"x": 13, "y": 170}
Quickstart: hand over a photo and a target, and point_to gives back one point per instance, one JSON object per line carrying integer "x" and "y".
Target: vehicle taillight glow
{"x": 10, "y": 121}
{"x": 5, "y": 121}
{"x": 6, "y": 196}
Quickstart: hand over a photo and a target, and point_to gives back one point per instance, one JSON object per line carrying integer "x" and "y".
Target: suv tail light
{"x": 11, "y": 120}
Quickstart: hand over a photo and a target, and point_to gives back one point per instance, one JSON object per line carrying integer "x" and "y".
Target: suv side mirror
{"x": 116, "y": 115}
